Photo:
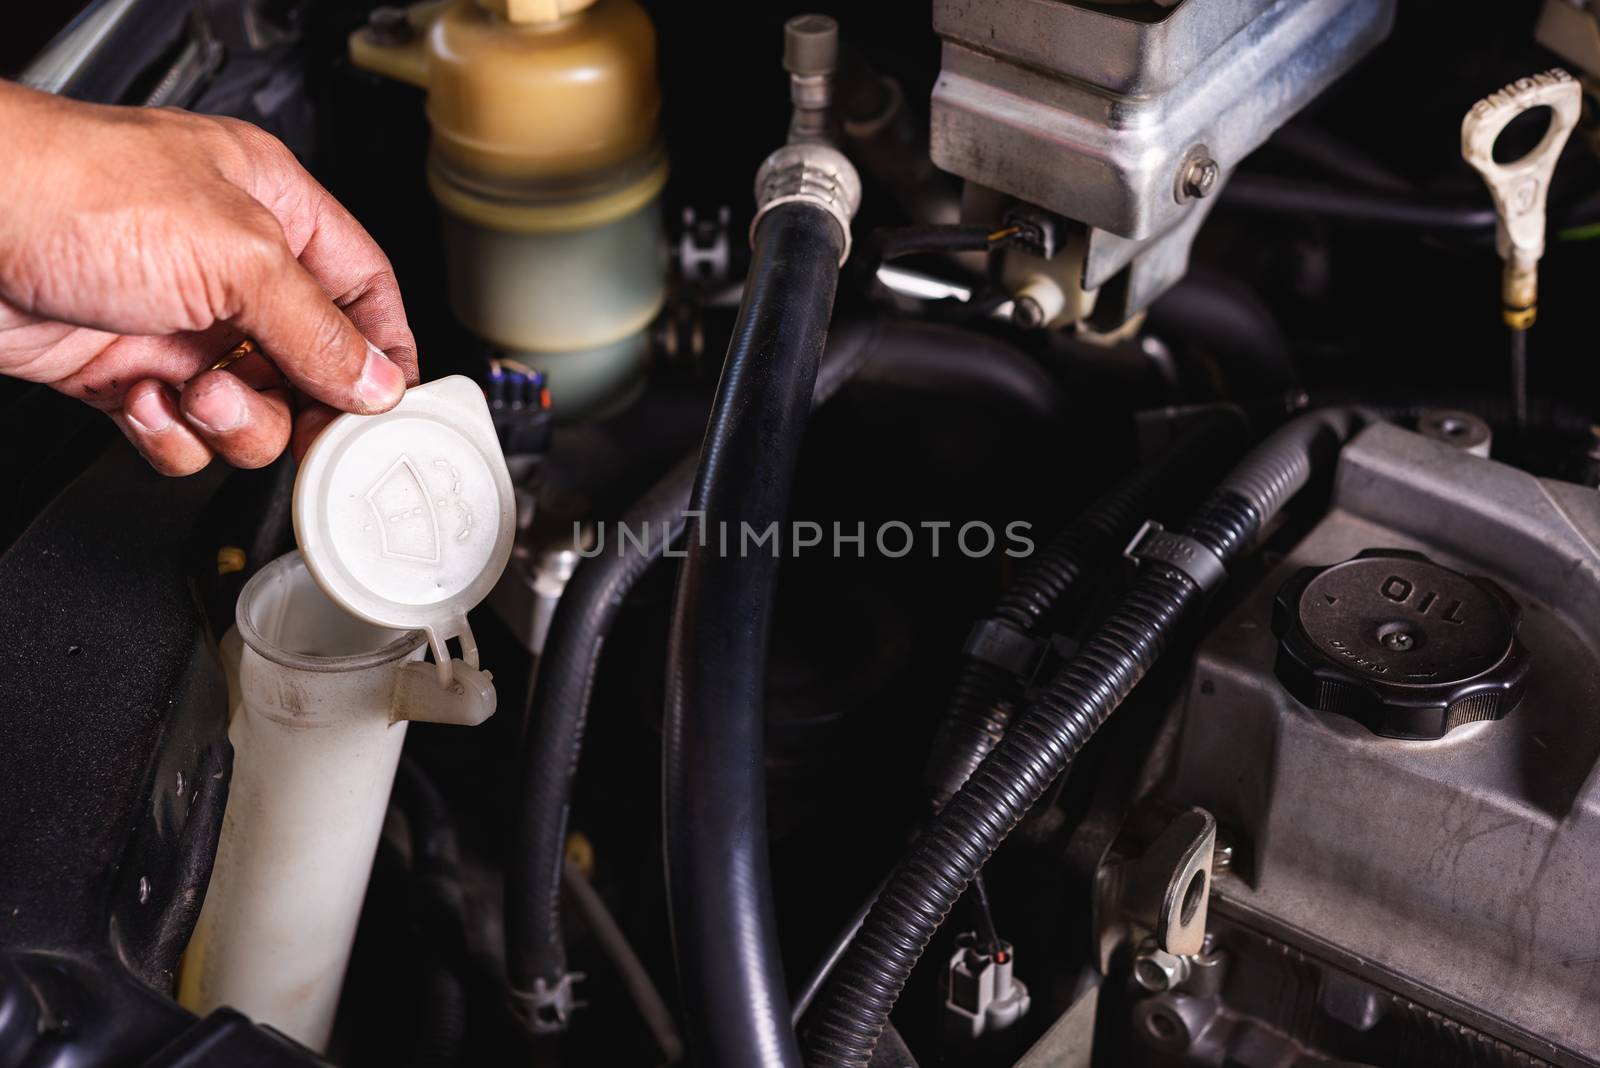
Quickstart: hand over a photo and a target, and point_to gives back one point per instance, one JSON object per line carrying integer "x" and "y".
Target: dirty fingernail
{"x": 381, "y": 383}
{"x": 147, "y": 412}
{"x": 219, "y": 408}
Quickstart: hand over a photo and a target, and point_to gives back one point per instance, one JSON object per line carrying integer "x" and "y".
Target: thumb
{"x": 310, "y": 339}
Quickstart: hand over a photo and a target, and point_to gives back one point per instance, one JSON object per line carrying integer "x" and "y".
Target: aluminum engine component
{"x": 1126, "y": 124}
{"x": 1160, "y": 894}
{"x": 1454, "y": 874}
{"x": 1463, "y": 430}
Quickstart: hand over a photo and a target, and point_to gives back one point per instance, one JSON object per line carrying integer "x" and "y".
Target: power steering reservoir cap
{"x": 1399, "y": 643}
{"x": 406, "y": 519}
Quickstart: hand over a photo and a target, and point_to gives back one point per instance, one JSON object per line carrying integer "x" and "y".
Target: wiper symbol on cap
{"x": 408, "y": 529}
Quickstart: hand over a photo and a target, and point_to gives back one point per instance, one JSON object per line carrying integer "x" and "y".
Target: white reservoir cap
{"x": 406, "y": 519}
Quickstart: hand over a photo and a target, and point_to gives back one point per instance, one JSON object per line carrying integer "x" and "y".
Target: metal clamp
{"x": 1521, "y": 187}
{"x": 814, "y": 174}
{"x": 547, "y": 1009}
{"x": 1188, "y": 556}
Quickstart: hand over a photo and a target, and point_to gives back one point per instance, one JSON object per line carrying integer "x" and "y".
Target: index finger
{"x": 272, "y": 297}
{"x": 345, "y": 260}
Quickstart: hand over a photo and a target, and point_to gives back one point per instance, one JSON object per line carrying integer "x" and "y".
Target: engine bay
{"x": 1003, "y": 533}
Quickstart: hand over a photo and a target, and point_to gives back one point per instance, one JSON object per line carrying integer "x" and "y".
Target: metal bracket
{"x": 1163, "y": 893}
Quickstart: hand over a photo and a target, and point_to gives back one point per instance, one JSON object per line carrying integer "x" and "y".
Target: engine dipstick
{"x": 1520, "y": 188}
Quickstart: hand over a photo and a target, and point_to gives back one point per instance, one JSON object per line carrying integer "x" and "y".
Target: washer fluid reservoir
{"x": 404, "y": 522}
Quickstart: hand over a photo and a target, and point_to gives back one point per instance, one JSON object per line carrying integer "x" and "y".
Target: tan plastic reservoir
{"x": 547, "y": 162}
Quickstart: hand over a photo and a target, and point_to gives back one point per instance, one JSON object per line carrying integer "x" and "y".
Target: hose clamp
{"x": 1188, "y": 556}
{"x": 547, "y": 1009}
{"x": 809, "y": 173}
{"x": 997, "y": 642}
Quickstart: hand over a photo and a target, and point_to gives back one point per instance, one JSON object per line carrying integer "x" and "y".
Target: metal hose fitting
{"x": 814, "y": 174}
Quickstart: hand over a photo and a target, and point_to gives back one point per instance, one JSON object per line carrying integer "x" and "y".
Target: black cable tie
{"x": 1192, "y": 558}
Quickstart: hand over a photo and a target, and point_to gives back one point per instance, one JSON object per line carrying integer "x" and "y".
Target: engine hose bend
{"x": 1039, "y": 746}
{"x": 719, "y": 883}
{"x": 536, "y": 951}
{"x": 890, "y": 352}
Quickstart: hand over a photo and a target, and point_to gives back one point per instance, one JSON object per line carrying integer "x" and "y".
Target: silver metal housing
{"x": 1092, "y": 114}
{"x": 1128, "y": 125}
{"x": 1457, "y": 874}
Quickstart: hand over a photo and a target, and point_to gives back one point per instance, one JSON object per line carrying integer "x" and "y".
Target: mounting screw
{"x": 1398, "y": 640}
{"x": 1198, "y": 175}
{"x": 1221, "y": 857}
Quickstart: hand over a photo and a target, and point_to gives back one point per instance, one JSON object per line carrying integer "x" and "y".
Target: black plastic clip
{"x": 1189, "y": 557}
{"x": 1003, "y": 645}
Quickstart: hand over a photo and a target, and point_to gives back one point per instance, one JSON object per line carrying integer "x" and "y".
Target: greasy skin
{"x": 138, "y": 246}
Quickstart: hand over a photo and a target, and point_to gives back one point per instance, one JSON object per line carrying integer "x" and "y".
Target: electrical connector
{"x": 519, "y": 405}
{"x": 983, "y": 994}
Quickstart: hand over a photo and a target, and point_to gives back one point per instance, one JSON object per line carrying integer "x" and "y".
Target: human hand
{"x": 138, "y": 246}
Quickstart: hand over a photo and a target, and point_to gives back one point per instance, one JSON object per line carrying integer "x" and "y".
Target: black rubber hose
{"x": 436, "y": 865}
{"x": 984, "y": 696}
{"x": 724, "y": 931}
{"x": 442, "y": 1031}
{"x": 434, "y": 847}
{"x": 884, "y": 351}
{"x": 435, "y": 852}
{"x": 893, "y": 243}
{"x": 897, "y": 243}
{"x": 1320, "y": 148}
{"x": 855, "y": 1006}
{"x": 1225, "y": 317}
{"x": 920, "y": 357}
{"x": 1270, "y": 195}
{"x": 558, "y": 716}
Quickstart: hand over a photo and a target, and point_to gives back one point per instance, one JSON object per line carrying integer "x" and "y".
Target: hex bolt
{"x": 1200, "y": 177}
{"x": 1221, "y": 857}
{"x": 1157, "y": 970}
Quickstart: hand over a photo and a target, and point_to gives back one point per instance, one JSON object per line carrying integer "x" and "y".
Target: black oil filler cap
{"x": 1399, "y": 643}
